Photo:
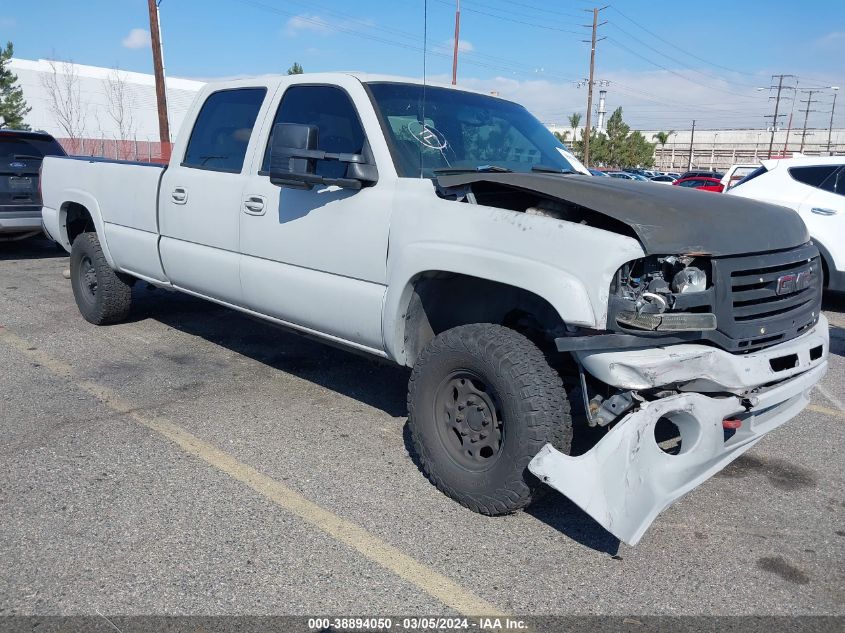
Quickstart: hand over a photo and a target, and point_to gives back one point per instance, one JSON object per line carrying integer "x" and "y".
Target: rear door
{"x": 20, "y": 160}
{"x": 200, "y": 196}
{"x": 823, "y": 209}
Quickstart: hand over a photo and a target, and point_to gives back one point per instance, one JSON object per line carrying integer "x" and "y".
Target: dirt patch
{"x": 780, "y": 567}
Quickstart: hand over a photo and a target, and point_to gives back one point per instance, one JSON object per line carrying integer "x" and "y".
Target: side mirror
{"x": 294, "y": 156}
{"x": 287, "y": 169}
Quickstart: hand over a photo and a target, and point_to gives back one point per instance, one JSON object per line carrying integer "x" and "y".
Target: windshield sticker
{"x": 428, "y": 136}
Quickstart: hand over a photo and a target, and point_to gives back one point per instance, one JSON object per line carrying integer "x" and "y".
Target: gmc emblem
{"x": 787, "y": 284}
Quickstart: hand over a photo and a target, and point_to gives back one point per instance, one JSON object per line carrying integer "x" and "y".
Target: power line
{"x": 619, "y": 44}
{"x": 707, "y": 75}
{"x": 686, "y": 52}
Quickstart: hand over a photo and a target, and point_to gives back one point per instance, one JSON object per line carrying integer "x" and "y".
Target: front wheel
{"x": 482, "y": 402}
{"x": 102, "y": 295}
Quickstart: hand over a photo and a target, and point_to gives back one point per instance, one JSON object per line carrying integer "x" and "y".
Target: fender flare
{"x": 563, "y": 291}
{"x": 85, "y": 199}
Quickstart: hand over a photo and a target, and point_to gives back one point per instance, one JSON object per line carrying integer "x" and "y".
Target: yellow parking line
{"x": 826, "y": 411}
{"x": 372, "y": 547}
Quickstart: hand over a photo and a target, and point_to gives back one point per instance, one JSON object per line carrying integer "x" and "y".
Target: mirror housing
{"x": 294, "y": 156}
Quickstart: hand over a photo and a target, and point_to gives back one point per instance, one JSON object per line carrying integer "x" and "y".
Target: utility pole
{"x": 832, "y": 110}
{"x": 158, "y": 67}
{"x": 457, "y": 41}
{"x": 587, "y": 126}
{"x": 780, "y": 88}
{"x": 807, "y": 110}
{"x": 691, "y": 138}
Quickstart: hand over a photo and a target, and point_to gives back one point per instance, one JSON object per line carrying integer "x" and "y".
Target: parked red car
{"x": 701, "y": 182}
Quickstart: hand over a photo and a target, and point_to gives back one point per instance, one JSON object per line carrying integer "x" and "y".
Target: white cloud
{"x": 649, "y": 100}
{"x": 137, "y": 38}
{"x": 313, "y": 23}
{"x": 447, "y": 46}
{"x": 833, "y": 41}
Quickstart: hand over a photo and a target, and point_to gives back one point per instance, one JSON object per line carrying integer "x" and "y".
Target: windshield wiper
{"x": 476, "y": 169}
{"x": 27, "y": 157}
{"x": 543, "y": 169}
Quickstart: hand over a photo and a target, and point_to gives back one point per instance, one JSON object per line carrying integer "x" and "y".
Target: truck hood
{"x": 666, "y": 220}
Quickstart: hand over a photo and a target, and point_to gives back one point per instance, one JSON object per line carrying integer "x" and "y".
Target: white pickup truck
{"x": 450, "y": 232}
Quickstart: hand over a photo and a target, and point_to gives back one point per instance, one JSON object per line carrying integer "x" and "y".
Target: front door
{"x": 200, "y": 197}
{"x": 317, "y": 258}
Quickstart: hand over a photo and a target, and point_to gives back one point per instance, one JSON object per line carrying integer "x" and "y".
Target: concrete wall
{"x": 719, "y": 149}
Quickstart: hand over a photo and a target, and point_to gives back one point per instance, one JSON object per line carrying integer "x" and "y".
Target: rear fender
{"x": 88, "y": 201}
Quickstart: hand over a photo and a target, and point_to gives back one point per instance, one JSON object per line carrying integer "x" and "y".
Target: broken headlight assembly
{"x": 664, "y": 294}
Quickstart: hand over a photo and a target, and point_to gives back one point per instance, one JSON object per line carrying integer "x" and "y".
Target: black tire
{"x": 102, "y": 295}
{"x": 512, "y": 388}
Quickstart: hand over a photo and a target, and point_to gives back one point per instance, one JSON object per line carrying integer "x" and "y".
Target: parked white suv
{"x": 815, "y": 188}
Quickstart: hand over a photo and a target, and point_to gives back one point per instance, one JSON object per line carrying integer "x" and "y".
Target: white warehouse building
{"x": 74, "y": 101}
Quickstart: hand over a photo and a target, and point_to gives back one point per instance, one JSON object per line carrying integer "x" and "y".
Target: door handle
{"x": 254, "y": 205}
{"x": 179, "y": 195}
{"x": 820, "y": 211}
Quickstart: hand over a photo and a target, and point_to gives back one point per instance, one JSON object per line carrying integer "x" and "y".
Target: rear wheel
{"x": 482, "y": 402}
{"x": 102, "y": 295}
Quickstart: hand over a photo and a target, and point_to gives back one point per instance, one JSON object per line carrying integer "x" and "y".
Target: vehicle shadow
{"x": 372, "y": 382}
{"x": 835, "y": 302}
{"x": 31, "y": 248}
{"x": 338, "y": 370}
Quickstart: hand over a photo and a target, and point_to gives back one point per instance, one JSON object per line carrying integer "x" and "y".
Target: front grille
{"x": 749, "y": 310}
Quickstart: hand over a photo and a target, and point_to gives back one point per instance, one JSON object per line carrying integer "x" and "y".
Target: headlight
{"x": 668, "y": 321}
{"x": 664, "y": 294}
{"x": 690, "y": 279}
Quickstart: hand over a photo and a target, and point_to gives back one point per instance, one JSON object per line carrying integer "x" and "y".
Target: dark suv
{"x": 21, "y": 153}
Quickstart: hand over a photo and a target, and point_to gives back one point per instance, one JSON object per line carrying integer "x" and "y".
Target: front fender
{"x": 564, "y": 292}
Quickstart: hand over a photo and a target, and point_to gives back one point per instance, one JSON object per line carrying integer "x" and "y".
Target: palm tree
{"x": 662, "y": 138}
{"x": 574, "y": 122}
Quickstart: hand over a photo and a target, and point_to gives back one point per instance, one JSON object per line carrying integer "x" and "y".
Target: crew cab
{"x": 451, "y": 232}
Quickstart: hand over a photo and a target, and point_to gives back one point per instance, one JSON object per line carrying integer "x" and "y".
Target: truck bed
{"x": 126, "y": 195}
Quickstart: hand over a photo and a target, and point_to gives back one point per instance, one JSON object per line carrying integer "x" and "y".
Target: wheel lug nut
{"x": 479, "y": 408}
{"x": 460, "y": 407}
{"x": 482, "y": 436}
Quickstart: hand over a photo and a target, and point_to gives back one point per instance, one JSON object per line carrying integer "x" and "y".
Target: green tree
{"x": 13, "y": 106}
{"x": 296, "y": 69}
{"x": 562, "y": 136}
{"x": 663, "y": 138}
{"x": 574, "y": 120}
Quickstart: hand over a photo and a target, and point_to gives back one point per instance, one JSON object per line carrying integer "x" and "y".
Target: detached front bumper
{"x": 626, "y": 479}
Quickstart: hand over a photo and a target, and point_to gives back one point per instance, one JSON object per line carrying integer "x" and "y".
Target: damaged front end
{"x": 719, "y": 405}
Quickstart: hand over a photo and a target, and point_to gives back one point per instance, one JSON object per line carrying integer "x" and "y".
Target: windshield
{"x": 462, "y": 130}
{"x": 31, "y": 147}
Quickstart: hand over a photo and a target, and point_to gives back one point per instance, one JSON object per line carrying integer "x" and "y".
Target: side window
{"x": 835, "y": 183}
{"x": 332, "y": 111}
{"x": 812, "y": 175}
{"x": 221, "y": 132}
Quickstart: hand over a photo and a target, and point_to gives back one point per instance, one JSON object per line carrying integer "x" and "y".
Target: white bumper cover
{"x": 626, "y": 479}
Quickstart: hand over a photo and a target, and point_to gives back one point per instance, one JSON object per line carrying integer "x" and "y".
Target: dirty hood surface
{"x": 668, "y": 220}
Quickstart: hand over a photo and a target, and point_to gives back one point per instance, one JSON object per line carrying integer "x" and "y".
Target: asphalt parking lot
{"x": 195, "y": 461}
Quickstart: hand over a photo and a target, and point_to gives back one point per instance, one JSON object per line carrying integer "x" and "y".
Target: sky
{"x": 667, "y": 63}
